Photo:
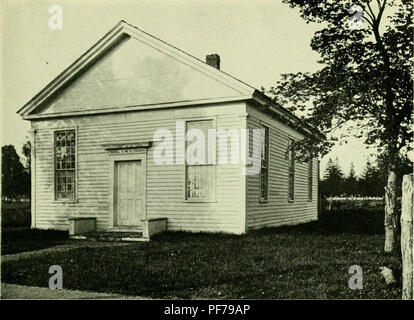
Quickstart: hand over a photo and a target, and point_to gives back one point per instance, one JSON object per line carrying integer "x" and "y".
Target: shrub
{"x": 15, "y": 214}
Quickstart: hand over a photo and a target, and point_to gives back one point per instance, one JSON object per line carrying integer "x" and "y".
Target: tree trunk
{"x": 390, "y": 220}
{"x": 407, "y": 250}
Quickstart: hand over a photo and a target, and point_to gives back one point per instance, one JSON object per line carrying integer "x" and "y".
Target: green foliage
{"x": 370, "y": 184}
{"x": 15, "y": 214}
{"x": 365, "y": 82}
{"x": 14, "y": 178}
{"x": 333, "y": 180}
{"x": 372, "y": 181}
{"x": 26, "y": 150}
{"x": 351, "y": 182}
{"x": 15, "y": 240}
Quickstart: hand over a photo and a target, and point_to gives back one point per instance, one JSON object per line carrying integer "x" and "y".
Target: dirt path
{"x": 60, "y": 248}
{"x": 14, "y": 291}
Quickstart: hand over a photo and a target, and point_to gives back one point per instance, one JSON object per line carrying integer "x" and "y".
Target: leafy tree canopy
{"x": 369, "y": 184}
{"x": 365, "y": 82}
{"x": 15, "y": 181}
{"x": 333, "y": 180}
{"x": 26, "y": 150}
{"x": 351, "y": 182}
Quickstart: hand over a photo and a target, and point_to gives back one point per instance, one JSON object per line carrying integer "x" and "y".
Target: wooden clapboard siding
{"x": 165, "y": 183}
{"x": 277, "y": 210}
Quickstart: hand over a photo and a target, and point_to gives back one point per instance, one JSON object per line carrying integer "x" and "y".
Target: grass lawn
{"x": 306, "y": 261}
{"x": 21, "y": 239}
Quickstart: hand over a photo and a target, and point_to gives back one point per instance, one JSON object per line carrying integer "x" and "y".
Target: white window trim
{"x": 265, "y": 200}
{"x": 310, "y": 192}
{"x": 75, "y": 200}
{"x": 291, "y": 200}
{"x": 184, "y": 166}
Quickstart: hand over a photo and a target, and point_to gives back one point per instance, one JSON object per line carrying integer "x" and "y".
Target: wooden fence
{"x": 407, "y": 231}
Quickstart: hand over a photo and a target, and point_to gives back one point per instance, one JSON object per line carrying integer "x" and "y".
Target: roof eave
{"x": 280, "y": 111}
{"x": 108, "y": 40}
{"x": 120, "y": 109}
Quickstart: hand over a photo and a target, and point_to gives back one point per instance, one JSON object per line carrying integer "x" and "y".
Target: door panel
{"x": 129, "y": 193}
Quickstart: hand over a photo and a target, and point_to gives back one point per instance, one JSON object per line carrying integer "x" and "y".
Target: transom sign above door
{"x": 120, "y": 148}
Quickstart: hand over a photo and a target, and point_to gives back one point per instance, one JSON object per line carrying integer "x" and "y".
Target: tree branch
{"x": 381, "y": 11}
{"x": 367, "y": 20}
{"x": 372, "y": 13}
{"x": 369, "y": 15}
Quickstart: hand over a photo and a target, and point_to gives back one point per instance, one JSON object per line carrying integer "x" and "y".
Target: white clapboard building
{"x": 97, "y": 141}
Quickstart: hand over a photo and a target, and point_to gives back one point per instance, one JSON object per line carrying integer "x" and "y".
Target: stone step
{"x": 110, "y": 236}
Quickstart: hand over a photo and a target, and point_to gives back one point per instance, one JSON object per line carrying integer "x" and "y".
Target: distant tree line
{"x": 15, "y": 175}
{"x": 369, "y": 184}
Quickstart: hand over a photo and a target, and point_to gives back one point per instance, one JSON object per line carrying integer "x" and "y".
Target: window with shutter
{"x": 264, "y": 170}
{"x": 291, "y": 170}
{"x": 310, "y": 179}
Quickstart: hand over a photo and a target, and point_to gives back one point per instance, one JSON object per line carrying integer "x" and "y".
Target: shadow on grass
{"x": 16, "y": 240}
{"x": 351, "y": 222}
{"x": 342, "y": 222}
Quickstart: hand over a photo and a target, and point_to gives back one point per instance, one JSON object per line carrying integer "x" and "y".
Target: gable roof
{"x": 114, "y": 37}
{"x": 111, "y": 40}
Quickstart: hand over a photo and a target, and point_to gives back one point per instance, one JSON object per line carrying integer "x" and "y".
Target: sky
{"x": 257, "y": 42}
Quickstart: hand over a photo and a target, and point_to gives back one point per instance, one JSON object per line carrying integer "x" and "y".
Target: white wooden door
{"x": 129, "y": 193}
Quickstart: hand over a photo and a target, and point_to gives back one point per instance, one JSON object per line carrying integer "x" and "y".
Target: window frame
{"x": 193, "y": 200}
{"x": 266, "y": 140}
{"x": 291, "y": 169}
{"x": 55, "y": 198}
{"x": 310, "y": 179}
